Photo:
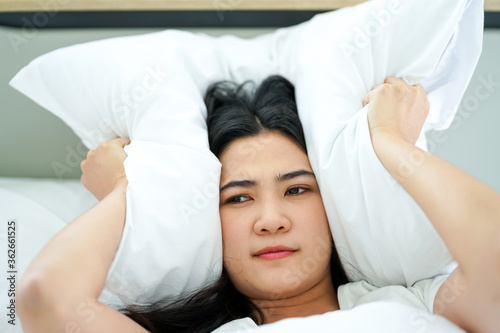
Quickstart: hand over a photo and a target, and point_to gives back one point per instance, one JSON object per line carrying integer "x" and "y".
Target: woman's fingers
{"x": 370, "y": 94}
{"x": 397, "y": 108}
{"x": 121, "y": 141}
{"x": 394, "y": 80}
{"x": 366, "y": 100}
{"x": 103, "y": 169}
{"x": 391, "y": 80}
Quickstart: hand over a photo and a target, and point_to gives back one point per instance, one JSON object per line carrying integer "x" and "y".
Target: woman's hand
{"x": 398, "y": 109}
{"x": 103, "y": 169}
{"x": 62, "y": 284}
{"x": 464, "y": 211}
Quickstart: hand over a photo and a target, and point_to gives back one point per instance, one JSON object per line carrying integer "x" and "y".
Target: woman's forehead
{"x": 264, "y": 155}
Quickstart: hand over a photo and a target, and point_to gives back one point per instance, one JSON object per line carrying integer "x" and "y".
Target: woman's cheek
{"x": 234, "y": 266}
{"x": 232, "y": 234}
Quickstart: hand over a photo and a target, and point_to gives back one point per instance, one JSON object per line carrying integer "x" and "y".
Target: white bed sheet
{"x": 66, "y": 198}
{"x": 375, "y": 317}
{"x": 39, "y": 208}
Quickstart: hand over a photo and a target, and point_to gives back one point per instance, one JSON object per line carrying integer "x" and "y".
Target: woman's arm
{"x": 464, "y": 211}
{"x": 59, "y": 290}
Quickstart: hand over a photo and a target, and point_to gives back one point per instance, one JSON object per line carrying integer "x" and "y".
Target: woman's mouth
{"x": 274, "y": 252}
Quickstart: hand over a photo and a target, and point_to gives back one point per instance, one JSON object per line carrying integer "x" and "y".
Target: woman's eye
{"x": 238, "y": 199}
{"x": 296, "y": 190}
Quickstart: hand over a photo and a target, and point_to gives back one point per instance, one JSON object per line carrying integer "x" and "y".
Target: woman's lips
{"x": 274, "y": 252}
{"x": 275, "y": 255}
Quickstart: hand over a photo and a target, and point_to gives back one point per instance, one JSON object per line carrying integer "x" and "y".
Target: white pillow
{"x": 150, "y": 88}
{"x": 378, "y": 228}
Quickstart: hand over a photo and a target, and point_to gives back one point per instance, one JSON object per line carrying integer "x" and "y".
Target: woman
{"x": 273, "y": 223}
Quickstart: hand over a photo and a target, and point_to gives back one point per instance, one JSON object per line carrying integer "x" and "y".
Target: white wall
{"x": 472, "y": 142}
{"x": 31, "y": 139}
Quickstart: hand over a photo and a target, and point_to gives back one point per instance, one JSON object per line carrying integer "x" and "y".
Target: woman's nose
{"x": 272, "y": 220}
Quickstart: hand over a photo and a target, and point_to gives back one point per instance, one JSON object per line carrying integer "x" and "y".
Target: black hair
{"x": 200, "y": 311}
{"x": 233, "y": 112}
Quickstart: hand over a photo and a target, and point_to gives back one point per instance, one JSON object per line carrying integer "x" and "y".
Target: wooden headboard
{"x": 111, "y": 5}
{"x": 178, "y": 13}
{"x": 86, "y": 5}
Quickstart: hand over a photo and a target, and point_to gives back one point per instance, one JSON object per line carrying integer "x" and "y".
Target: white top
{"x": 421, "y": 295}
{"x": 236, "y": 325}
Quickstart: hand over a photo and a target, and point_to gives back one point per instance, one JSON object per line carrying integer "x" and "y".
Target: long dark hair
{"x": 233, "y": 112}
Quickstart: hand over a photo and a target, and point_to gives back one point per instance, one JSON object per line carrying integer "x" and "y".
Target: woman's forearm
{"x": 464, "y": 211}
{"x": 72, "y": 267}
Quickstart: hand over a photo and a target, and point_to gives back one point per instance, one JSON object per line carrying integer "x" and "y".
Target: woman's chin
{"x": 276, "y": 286}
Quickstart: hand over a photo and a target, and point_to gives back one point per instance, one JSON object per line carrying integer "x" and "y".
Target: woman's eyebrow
{"x": 238, "y": 183}
{"x": 279, "y": 178}
{"x": 293, "y": 174}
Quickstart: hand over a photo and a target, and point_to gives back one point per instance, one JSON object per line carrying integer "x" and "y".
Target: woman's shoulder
{"x": 420, "y": 295}
{"x": 237, "y": 324}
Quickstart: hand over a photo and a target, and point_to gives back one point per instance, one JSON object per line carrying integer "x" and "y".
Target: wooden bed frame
{"x": 86, "y": 5}
{"x": 180, "y": 13}
{"x": 111, "y": 5}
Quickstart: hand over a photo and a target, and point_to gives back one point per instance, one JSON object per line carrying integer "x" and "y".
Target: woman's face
{"x": 276, "y": 238}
